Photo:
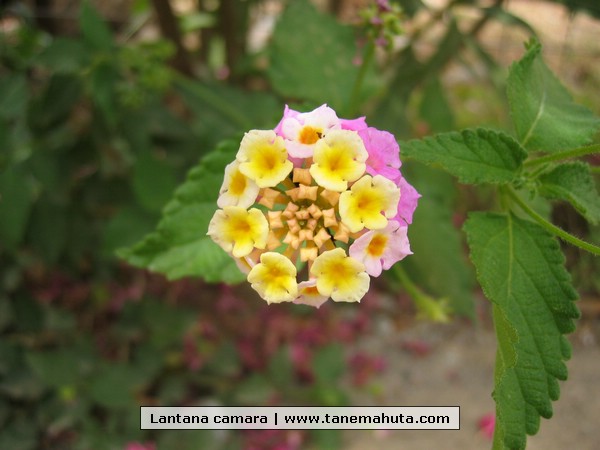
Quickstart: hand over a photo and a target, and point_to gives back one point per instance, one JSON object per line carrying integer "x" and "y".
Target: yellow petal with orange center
{"x": 339, "y": 276}
{"x": 339, "y": 158}
{"x": 368, "y": 203}
{"x": 263, "y": 158}
{"x": 237, "y": 189}
{"x": 238, "y": 231}
{"x": 274, "y": 278}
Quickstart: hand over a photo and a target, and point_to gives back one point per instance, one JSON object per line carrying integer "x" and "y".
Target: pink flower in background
{"x": 486, "y": 425}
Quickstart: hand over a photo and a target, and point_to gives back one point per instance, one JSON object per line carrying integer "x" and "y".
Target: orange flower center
{"x": 309, "y": 135}
{"x": 377, "y": 245}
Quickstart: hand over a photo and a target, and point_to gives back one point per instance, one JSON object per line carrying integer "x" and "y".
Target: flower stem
{"x": 429, "y": 307}
{"x": 565, "y": 154}
{"x": 368, "y": 55}
{"x": 553, "y": 229}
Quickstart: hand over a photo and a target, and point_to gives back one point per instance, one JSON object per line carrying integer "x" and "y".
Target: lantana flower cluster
{"x": 318, "y": 199}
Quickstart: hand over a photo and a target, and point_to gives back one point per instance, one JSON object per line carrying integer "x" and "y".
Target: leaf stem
{"x": 550, "y": 227}
{"x": 368, "y": 55}
{"x": 565, "y": 154}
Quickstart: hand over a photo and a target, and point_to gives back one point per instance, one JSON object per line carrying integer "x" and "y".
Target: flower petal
{"x": 263, "y": 158}
{"x": 237, "y": 189}
{"x": 408, "y": 202}
{"x": 338, "y": 158}
{"x": 340, "y": 276}
{"x": 380, "y": 249}
{"x": 308, "y": 294}
{"x": 238, "y": 231}
{"x": 384, "y": 153}
{"x": 274, "y": 278}
{"x": 368, "y": 203}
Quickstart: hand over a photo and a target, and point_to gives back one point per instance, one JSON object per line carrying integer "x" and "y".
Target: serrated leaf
{"x": 474, "y": 156}
{"x": 574, "y": 183}
{"x": 544, "y": 114}
{"x": 311, "y": 56}
{"x": 521, "y": 270}
{"x": 179, "y": 246}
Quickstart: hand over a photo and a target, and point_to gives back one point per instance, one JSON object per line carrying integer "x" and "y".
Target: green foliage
{"x": 544, "y": 114}
{"x": 521, "y": 270}
{"x": 574, "y": 183}
{"x": 519, "y": 263}
{"x": 473, "y": 156}
{"x": 179, "y": 247}
{"x": 318, "y": 66}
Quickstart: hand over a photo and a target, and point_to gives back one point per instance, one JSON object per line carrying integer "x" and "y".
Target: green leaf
{"x": 521, "y": 270}
{"x": 179, "y": 246}
{"x": 64, "y": 55}
{"x": 474, "y": 156}
{"x": 56, "y": 102}
{"x": 311, "y": 56}
{"x": 153, "y": 181}
{"x": 126, "y": 228}
{"x": 116, "y": 385}
{"x": 14, "y": 94}
{"x": 95, "y": 32}
{"x": 58, "y": 368}
{"x": 543, "y": 112}
{"x": 16, "y": 197}
{"x": 574, "y": 183}
{"x": 438, "y": 262}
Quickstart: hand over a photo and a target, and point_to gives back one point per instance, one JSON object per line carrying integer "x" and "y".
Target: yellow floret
{"x": 339, "y": 276}
{"x": 368, "y": 203}
{"x": 274, "y": 278}
{"x": 239, "y": 231}
{"x": 338, "y": 158}
{"x": 263, "y": 158}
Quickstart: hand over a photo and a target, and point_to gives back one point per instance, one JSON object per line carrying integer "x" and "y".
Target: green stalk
{"x": 553, "y": 229}
{"x": 565, "y": 154}
{"x": 429, "y": 307}
{"x": 360, "y": 78}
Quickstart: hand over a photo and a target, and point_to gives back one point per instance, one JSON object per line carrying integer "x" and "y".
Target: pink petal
{"x": 357, "y": 124}
{"x": 408, "y": 201}
{"x": 287, "y": 114}
{"x": 398, "y": 247}
{"x": 384, "y": 153}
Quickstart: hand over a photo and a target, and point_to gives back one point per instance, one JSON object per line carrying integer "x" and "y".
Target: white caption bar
{"x": 300, "y": 417}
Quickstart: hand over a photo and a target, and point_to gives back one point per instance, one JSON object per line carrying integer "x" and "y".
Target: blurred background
{"x": 105, "y": 105}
